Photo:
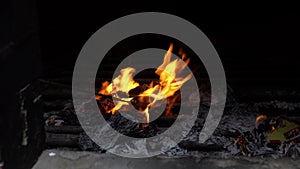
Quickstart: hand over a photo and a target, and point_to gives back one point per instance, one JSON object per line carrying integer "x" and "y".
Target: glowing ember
{"x": 169, "y": 83}
{"x": 260, "y": 118}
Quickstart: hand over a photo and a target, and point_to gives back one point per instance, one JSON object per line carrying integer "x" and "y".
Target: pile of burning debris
{"x": 241, "y": 132}
{"x": 270, "y": 135}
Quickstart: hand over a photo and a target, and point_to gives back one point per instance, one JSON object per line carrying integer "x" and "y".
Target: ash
{"x": 238, "y": 120}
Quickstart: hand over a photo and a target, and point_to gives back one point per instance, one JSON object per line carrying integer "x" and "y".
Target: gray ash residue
{"x": 238, "y": 120}
{"x": 130, "y": 128}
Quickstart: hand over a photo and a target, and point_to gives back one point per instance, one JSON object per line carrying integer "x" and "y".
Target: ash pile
{"x": 243, "y": 130}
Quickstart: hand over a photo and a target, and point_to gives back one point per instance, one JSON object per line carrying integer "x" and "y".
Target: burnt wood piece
{"x": 55, "y": 105}
{"x": 195, "y": 146}
{"x": 56, "y": 93}
{"x": 64, "y": 129}
{"x": 165, "y": 121}
{"x": 57, "y": 140}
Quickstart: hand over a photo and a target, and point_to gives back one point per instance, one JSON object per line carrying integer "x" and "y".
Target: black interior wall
{"x": 257, "y": 44}
{"x": 19, "y": 65}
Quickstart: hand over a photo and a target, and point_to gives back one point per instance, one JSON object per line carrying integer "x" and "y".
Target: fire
{"x": 258, "y": 119}
{"x": 263, "y": 118}
{"x": 273, "y": 128}
{"x": 169, "y": 83}
{"x": 123, "y": 83}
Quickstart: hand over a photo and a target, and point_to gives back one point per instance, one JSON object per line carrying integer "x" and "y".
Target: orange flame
{"x": 260, "y": 118}
{"x": 169, "y": 83}
{"x": 123, "y": 83}
{"x": 273, "y": 128}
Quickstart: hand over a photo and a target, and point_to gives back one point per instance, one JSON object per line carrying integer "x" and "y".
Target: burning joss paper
{"x": 274, "y": 135}
{"x": 124, "y": 88}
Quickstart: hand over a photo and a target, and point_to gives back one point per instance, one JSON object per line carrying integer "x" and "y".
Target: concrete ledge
{"x": 56, "y": 159}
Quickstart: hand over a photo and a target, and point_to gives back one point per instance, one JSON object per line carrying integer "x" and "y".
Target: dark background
{"x": 257, "y": 45}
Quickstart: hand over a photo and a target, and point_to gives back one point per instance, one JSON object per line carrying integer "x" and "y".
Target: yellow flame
{"x": 123, "y": 83}
{"x": 169, "y": 83}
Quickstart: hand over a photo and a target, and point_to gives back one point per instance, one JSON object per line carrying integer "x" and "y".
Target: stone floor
{"x": 58, "y": 159}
